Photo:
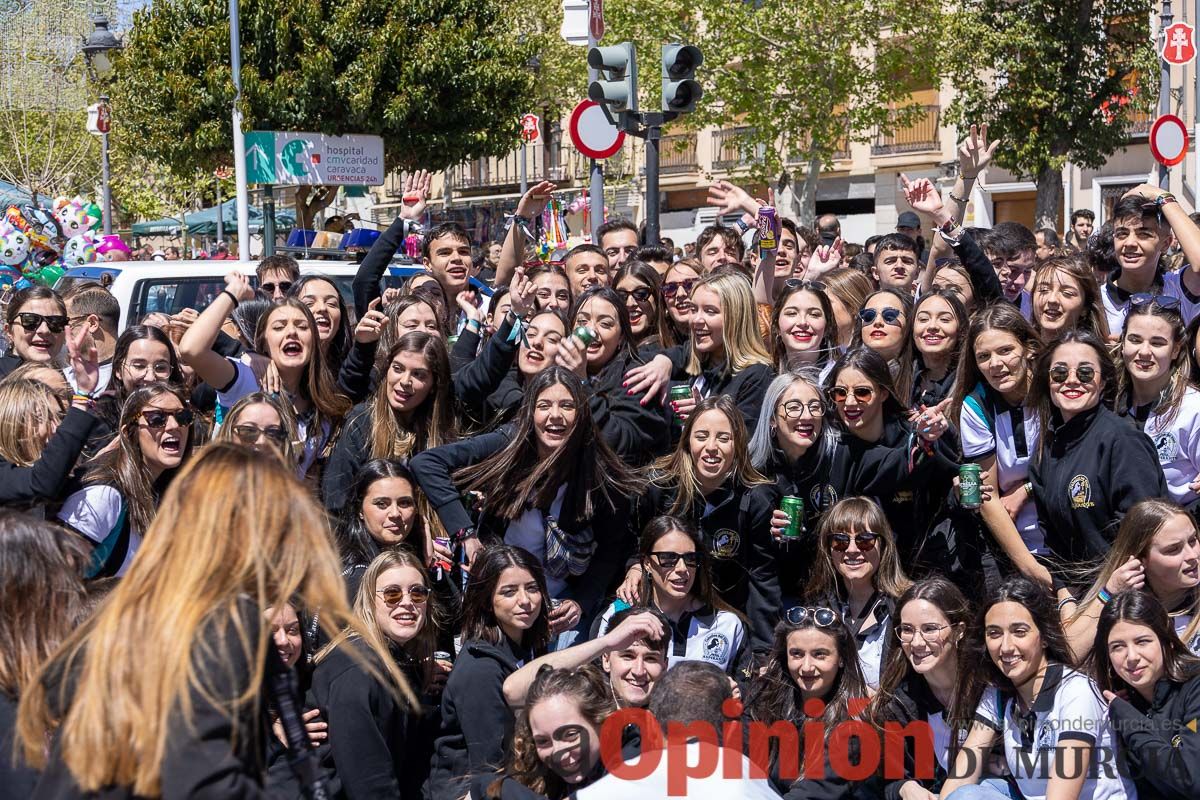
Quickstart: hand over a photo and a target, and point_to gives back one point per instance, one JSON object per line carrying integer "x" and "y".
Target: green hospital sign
{"x": 315, "y": 159}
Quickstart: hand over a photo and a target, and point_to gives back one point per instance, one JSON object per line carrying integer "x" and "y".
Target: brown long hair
{"x": 1181, "y": 366}
{"x": 146, "y": 654}
{"x": 1139, "y": 608}
{"x": 25, "y": 406}
{"x": 1004, "y": 317}
{"x": 662, "y": 332}
{"x": 702, "y": 588}
{"x": 433, "y": 423}
{"x": 1093, "y": 317}
{"x": 856, "y": 514}
{"x": 316, "y": 383}
{"x": 43, "y": 599}
{"x": 479, "y": 610}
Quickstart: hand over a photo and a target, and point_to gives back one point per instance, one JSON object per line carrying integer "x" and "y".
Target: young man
{"x": 660, "y": 257}
{"x": 717, "y": 244}
{"x": 276, "y": 274}
{"x": 446, "y": 254}
{"x": 96, "y": 308}
{"x": 1012, "y": 249}
{"x": 896, "y": 264}
{"x": 587, "y": 266}
{"x": 1083, "y": 222}
{"x": 1047, "y": 242}
{"x": 618, "y": 240}
{"x": 1144, "y": 221}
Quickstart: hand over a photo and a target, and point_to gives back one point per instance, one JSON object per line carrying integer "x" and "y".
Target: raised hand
{"x": 371, "y": 326}
{"x": 84, "y": 361}
{"x": 730, "y": 199}
{"x": 520, "y": 294}
{"x": 824, "y": 259}
{"x": 534, "y": 201}
{"x": 921, "y": 195}
{"x": 975, "y": 152}
{"x": 415, "y": 197}
{"x": 239, "y": 286}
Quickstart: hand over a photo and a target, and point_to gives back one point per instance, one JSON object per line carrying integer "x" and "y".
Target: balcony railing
{"x": 677, "y": 154}
{"x": 729, "y": 147}
{"x": 798, "y": 153}
{"x": 919, "y": 136}
{"x": 503, "y": 175}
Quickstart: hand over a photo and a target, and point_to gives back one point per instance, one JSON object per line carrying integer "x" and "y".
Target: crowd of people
{"x": 432, "y": 542}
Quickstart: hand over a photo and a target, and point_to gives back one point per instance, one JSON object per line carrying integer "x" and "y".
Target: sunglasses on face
{"x": 1084, "y": 373}
{"x": 822, "y": 617}
{"x": 862, "y": 394}
{"x": 156, "y": 419}
{"x": 1161, "y": 300}
{"x": 31, "y": 322}
{"x": 667, "y": 560}
{"x": 640, "y": 294}
{"x": 283, "y": 286}
{"x": 794, "y": 409}
{"x": 890, "y": 315}
{"x": 250, "y": 433}
{"x": 671, "y": 288}
{"x": 841, "y": 541}
{"x": 394, "y": 595}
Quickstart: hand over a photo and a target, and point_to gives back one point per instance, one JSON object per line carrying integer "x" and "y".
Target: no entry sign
{"x": 1168, "y": 140}
{"x": 592, "y": 133}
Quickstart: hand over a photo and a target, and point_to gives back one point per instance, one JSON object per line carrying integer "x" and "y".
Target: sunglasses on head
{"x": 269, "y": 288}
{"x": 156, "y": 419}
{"x": 795, "y": 284}
{"x": 394, "y": 595}
{"x": 667, "y": 560}
{"x": 249, "y": 433}
{"x": 641, "y": 294}
{"x": 821, "y": 617}
{"x": 841, "y": 541}
{"x": 671, "y": 288}
{"x": 1084, "y": 373}
{"x": 31, "y": 322}
{"x": 863, "y": 394}
{"x": 890, "y": 315}
{"x": 1161, "y": 300}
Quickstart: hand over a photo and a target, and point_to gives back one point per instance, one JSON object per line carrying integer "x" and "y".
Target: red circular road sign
{"x": 1168, "y": 140}
{"x": 592, "y": 133}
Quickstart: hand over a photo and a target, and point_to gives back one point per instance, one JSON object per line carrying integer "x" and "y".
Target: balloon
{"x": 95, "y": 215}
{"x": 48, "y": 276}
{"x": 15, "y": 247}
{"x": 79, "y": 250}
{"x": 110, "y": 243}
{"x": 72, "y": 216}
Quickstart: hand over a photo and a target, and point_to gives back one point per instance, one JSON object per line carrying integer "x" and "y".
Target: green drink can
{"x": 968, "y": 486}
{"x": 677, "y": 393}
{"x": 584, "y": 334}
{"x": 794, "y": 507}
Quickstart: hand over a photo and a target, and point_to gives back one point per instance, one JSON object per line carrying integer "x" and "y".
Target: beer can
{"x": 794, "y": 507}
{"x": 584, "y": 334}
{"x": 767, "y": 224}
{"x": 968, "y": 486}
{"x": 554, "y": 604}
{"x": 677, "y": 393}
{"x": 442, "y": 655}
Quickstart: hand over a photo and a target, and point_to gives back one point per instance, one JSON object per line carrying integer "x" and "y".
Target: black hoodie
{"x": 1160, "y": 741}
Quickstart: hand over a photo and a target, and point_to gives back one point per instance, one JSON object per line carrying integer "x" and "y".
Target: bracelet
{"x": 232, "y": 297}
{"x": 1029, "y": 488}
{"x": 959, "y": 200}
{"x": 86, "y": 399}
{"x": 462, "y": 534}
{"x": 474, "y": 325}
{"x": 1164, "y": 198}
{"x": 742, "y": 225}
{"x": 1103, "y": 596}
{"x": 1066, "y": 601}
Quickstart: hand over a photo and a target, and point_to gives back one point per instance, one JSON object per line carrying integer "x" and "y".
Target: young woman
{"x": 412, "y": 313}
{"x": 709, "y": 483}
{"x": 1156, "y": 550}
{"x": 677, "y": 287}
{"x": 1155, "y": 388}
{"x": 1049, "y": 717}
{"x": 143, "y": 355}
{"x": 263, "y": 422}
{"x": 1152, "y": 685}
{"x": 335, "y": 327}
{"x": 848, "y": 290}
{"x": 640, "y": 287}
{"x": 551, "y": 288}
{"x": 951, "y": 276}
{"x": 556, "y": 741}
{"x": 381, "y": 744}
{"x": 885, "y": 325}
{"x": 538, "y": 339}
{"x": 551, "y": 485}
{"x": 287, "y": 337}
{"x": 34, "y": 325}
{"x": 163, "y": 692}
{"x": 505, "y": 624}
{"x": 1065, "y": 296}
{"x": 675, "y": 580}
{"x": 920, "y": 678}
{"x": 938, "y": 330}
{"x": 1092, "y": 465}
{"x": 42, "y": 603}
{"x": 124, "y": 485}
{"x": 412, "y": 409}
{"x": 812, "y": 676}
{"x": 803, "y": 329}
{"x": 858, "y": 571}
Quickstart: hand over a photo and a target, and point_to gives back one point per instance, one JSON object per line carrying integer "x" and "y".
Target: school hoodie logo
{"x": 716, "y": 646}
{"x": 822, "y": 497}
{"x": 1167, "y": 447}
{"x": 1080, "y": 492}
{"x": 726, "y": 543}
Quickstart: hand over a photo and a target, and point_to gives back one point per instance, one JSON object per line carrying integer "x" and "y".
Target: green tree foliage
{"x": 1055, "y": 81}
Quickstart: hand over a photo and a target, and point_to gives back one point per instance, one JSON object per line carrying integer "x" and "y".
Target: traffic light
{"x": 616, "y": 88}
{"x": 680, "y": 89}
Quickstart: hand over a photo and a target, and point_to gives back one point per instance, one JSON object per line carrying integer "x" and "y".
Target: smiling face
{"x": 551, "y": 292}
{"x": 786, "y": 257}
{"x": 679, "y": 305}
{"x": 641, "y": 312}
{"x": 162, "y": 448}
{"x": 885, "y": 338}
{"x": 1173, "y": 560}
{"x": 417, "y": 317}
{"x": 566, "y": 741}
{"x": 711, "y": 447}
{"x": 554, "y": 416}
{"x": 717, "y": 251}
{"x": 402, "y": 622}
{"x": 896, "y": 269}
{"x": 802, "y": 323}
{"x": 1003, "y": 362}
{"x": 1136, "y": 655}
{"x": 600, "y": 315}
{"x": 388, "y": 510}
{"x": 1149, "y": 349}
{"x": 797, "y": 428}
{"x": 1073, "y": 395}
{"x": 1139, "y": 243}
{"x": 935, "y": 328}
{"x": 951, "y": 280}
{"x": 409, "y": 381}
{"x": 934, "y": 641}
{"x": 632, "y": 673}
{"x": 289, "y": 338}
{"x": 266, "y": 419}
{"x": 619, "y": 245}
{"x": 862, "y": 410}
{"x": 516, "y": 602}
{"x": 146, "y": 361}
{"x": 450, "y": 263}
{"x": 37, "y": 344}
{"x": 676, "y": 582}
{"x": 813, "y": 661}
{"x": 542, "y": 337}
{"x": 856, "y": 562}
{"x": 1014, "y": 642}
{"x": 322, "y": 300}
{"x": 285, "y": 634}
{"x": 708, "y": 323}
{"x": 585, "y": 270}
{"x": 1057, "y": 301}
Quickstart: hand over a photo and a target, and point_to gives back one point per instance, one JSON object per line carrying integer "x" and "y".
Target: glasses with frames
{"x": 863, "y": 394}
{"x": 794, "y": 409}
{"x": 283, "y": 286}
{"x": 394, "y": 595}
{"x": 640, "y": 294}
{"x": 671, "y": 288}
{"x": 866, "y": 541}
{"x": 821, "y": 617}
{"x": 30, "y": 321}
{"x": 249, "y": 433}
{"x": 795, "y": 284}
{"x": 156, "y": 419}
{"x": 1084, "y": 373}
{"x": 667, "y": 560}
{"x": 1161, "y": 300}
{"x": 891, "y": 316}
{"x": 929, "y": 632}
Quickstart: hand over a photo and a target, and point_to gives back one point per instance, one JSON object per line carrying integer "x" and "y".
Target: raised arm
{"x": 415, "y": 199}
{"x": 730, "y": 199}
{"x": 1184, "y": 230}
{"x": 196, "y": 346}
{"x": 512, "y": 252}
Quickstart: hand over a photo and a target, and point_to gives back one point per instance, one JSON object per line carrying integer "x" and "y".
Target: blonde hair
{"x": 254, "y": 539}
{"x": 25, "y": 406}
{"x": 743, "y": 345}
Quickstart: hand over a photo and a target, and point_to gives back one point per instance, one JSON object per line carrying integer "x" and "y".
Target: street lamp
{"x": 96, "y": 49}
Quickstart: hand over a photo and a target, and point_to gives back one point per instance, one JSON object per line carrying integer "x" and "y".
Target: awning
{"x": 204, "y": 222}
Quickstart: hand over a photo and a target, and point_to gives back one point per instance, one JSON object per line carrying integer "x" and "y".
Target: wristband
{"x": 232, "y": 297}
{"x": 741, "y": 224}
{"x": 1103, "y": 596}
{"x": 462, "y": 534}
{"x": 1029, "y": 488}
{"x": 474, "y": 325}
{"x": 1164, "y": 198}
{"x": 1066, "y": 601}
{"x": 959, "y": 200}
{"x": 80, "y": 397}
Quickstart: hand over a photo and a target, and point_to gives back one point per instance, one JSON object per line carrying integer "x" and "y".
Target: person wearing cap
{"x": 909, "y": 224}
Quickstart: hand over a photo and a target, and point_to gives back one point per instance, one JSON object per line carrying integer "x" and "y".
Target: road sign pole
{"x": 220, "y": 211}
{"x": 268, "y": 225}
{"x": 239, "y": 139}
{"x": 653, "y": 135}
{"x": 596, "y": 188}
{"x": 105, "y": 176}
{"x": 1164, "y": 88}
{"x": 524, "y": 176}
